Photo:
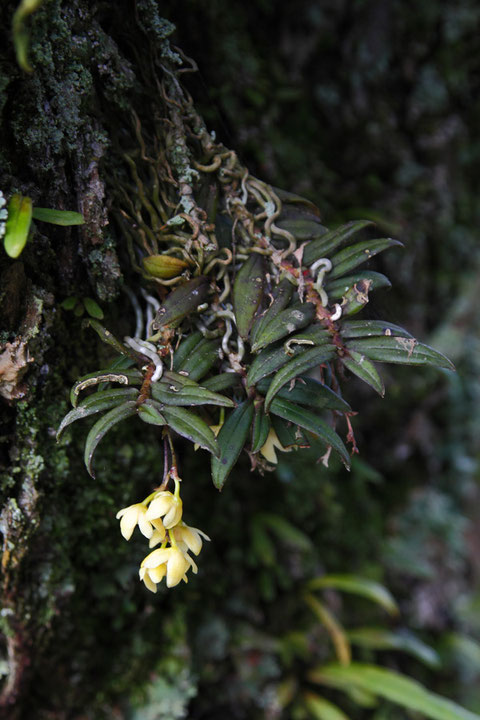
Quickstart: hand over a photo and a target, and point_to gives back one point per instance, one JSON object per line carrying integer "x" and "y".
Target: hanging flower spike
{"x": 132, "y": 516}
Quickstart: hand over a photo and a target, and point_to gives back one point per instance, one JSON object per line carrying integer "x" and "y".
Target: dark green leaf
{"x": 270, "y": 360}
{"x": 260, "y": 429}
{"x": 285, "y": 323}
{"x": 102, "y": 426}
{"x": 217, "y": 383}
{"x": 69, "y": 303}
{"x": 355, "y": 255}
{"x": 302, "y": 228}
{"x": 181, "y": 302}
{"x": 231, "y": 439}
{"x": 190, "y": 426}
{"x": 381, "y": 639}
{"x": 176, "y": 394}
{"x": 309, "y": 359}
{"x": 332, "y": 240}
{"x": 397, "y": 349}
{"x": 360, "y": 366}
{"x": 58, "y": 217}
{"x": 248, "y": 292}
{"x": 288, "y": 434}
{"x": 309, "y": 421}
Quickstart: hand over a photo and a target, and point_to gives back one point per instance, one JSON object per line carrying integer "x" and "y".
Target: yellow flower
{"x": 167, "y": 505}
{"x": 171, "y": 562}
{"x": 268, "y": 449}
{"x": 131, "y": 517}
{"x": 189, "y": 538}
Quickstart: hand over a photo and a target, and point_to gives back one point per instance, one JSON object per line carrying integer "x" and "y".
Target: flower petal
{"x": 174, "y": 515}
{"x": 160, "y": 505}
{"x": 158, "y": 573}
{"x": 177, "y": 566}
{"x": 157, "y": 557}
{"x": 128, "y": 521}
{"x": 156, "y": 538}
{"x": 144, "y": 525}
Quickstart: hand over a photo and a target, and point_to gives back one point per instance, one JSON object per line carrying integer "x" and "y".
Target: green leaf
{"x": 371, "y": 328}
{"x": 173, "y": 393}
{"x": 338, "y": 288}
{"x": 125, "y": 377}
{"x": 282, "y": 295}
{"x": 224, "y": 381}
{"x": 321, "y": 709}
{"x": 181, "y": 302}
{"x": 355, "y": 255}
{"x": 102, "y": 426}
{"x": 17, "y": 225}
{"x": 150, "y": 413}
{"x": 293, "y": 203}
{"x": 248, "y": 292}
{"x": 185, "y": 348}
{"x": 93, "y": 309}
{"x": 95, "y": 403}
{"x": 192, "y": 427}
{"x": 270, "y": 360}
{"x": 309, "y": 359}
{"x": 360, "y": 366}
{"x": 391, "y": 686}
{"x": 231, "y": 439}
{"x": 358, "y": 586}
{"x": 332, "y": 240}
{"x": 285, "y": 323}
{"x": 201, "y": 359}
{"x": 397, "y": 349}
{"x": 69, "y": 303}
{"x": 309, "y": 421}
{"x": 289, "y": 435}
{"x": 381, "y": 639}
{"x": 260, "y": 429}
{"x": 58, "y": 217}
{"x": 302, "y": 228}
{"x": 333, "y": 627}
{"x": 309, "y": 392}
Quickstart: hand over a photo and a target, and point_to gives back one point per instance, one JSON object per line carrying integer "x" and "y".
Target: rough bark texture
{"x": 360, "y": 106}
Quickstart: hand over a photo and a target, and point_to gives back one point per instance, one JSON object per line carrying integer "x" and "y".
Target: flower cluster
{"x": 159, "y": 518}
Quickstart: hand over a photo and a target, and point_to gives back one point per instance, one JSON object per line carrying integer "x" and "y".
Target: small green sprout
{"x": 79, "y": 305}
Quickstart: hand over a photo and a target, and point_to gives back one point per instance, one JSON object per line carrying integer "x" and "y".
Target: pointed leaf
{"x": 355, "y": 255}
{"x": 248, "y": 292}
{"x": 170, "y": 393}
{"x": 224, "y": 381}
{"x": 336, "y": 289}
{"x": 360, "y": 366}
{"x": 102, "y": 426}
{"x": 309, "y": 359}
{"x": 192, "y": 427}
{"x": 391, "y": 686}
{"x": 231, "y": 439}
{"x": 332, "y": 240}
{"x": 302, "y": 228}
{"x": 309, "y": 421}
{"x": 185, "y": 348}
{"x": 397, "y": 349}
{"x": 95, "y": 403}
{"x": 260, "y": 429}
{"x": 270, "y": 360}
{"x": 285, "y": 323}
{"x": 181, "y": 302}
{"x": 286, "y": 531}
{"x": 58, "y": 217}
{"x": 358, "y": 586}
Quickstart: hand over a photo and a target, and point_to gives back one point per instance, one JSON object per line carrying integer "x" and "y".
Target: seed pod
{"x": 181, "y": 302}
{"x": 164, "y": 266}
